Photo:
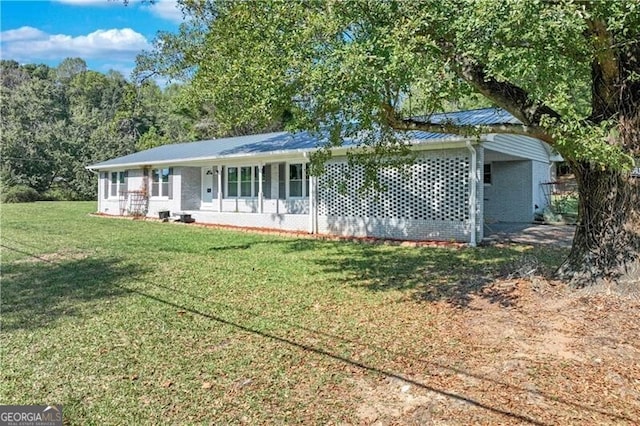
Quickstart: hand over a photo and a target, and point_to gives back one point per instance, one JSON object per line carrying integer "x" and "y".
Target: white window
{"x": 297, "y": 180}
{"x": 232, "y": 181}
{"x": 118, "y": 183}
{"x": 160, "y": 182}
{"x": 242, "y": 181}
{"x": 246, "y": 182}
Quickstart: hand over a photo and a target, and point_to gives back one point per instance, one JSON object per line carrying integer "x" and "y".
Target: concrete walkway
{"x": 529, "y": 233}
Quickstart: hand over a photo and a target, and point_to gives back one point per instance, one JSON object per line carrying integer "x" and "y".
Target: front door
{"x": 209, "y": 181}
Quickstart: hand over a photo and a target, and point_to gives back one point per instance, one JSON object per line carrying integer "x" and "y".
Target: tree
{"x": 69, "y": 68}
{"x": 568, "y": 70}
{"x": 32, "y": 126}
{"x": 55, "y": 121}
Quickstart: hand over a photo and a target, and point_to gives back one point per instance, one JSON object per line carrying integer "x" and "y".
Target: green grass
{"x": 133, "y": 322}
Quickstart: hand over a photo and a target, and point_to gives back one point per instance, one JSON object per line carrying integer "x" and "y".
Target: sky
{"x": 105, "y": 33}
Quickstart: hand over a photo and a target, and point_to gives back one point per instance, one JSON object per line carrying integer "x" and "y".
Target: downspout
{"x": 260, "y": 188}
{"x": 473, "y": 191}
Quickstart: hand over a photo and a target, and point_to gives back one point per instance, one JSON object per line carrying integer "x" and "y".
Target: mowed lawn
{"x": 142, "y": 322}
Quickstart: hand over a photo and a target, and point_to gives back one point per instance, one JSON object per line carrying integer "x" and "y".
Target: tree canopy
{"x": 56, "y": 121}
{"x": 331, "y": 62}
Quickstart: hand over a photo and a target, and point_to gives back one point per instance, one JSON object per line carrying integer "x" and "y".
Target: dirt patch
{"x": 550, "y": 356}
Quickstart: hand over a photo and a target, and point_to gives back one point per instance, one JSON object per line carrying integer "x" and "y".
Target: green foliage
{"x": 56, "y": 121}
{"x": 62, "y": 193}
{"x": 151, "y": 139}
{"x": 19, "y": 194}
{"x": 332, "y": 63}
{"x": 588, "y": 142}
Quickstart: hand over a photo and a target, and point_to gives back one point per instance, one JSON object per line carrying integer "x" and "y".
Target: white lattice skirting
{"x": 427, "y": 200}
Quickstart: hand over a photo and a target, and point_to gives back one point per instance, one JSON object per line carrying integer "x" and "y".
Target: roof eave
{"x": 415, "y": 144}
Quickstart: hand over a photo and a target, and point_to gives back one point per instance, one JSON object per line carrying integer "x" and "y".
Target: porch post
{"x": 220, "y": 189}
{"x": 260, "y": 193}
{"x": 313, "y": 219}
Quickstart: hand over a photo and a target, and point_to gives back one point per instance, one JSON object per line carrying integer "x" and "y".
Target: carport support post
{"x": 473, "y": 178}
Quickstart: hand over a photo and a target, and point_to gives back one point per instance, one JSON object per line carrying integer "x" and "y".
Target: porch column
{"x": 260, "y": 193}
{"x": 220, "y": 189}
{"x": 313, "y": 207}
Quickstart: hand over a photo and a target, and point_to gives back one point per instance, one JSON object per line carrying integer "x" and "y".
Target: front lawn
{"x": 136, "y": 322}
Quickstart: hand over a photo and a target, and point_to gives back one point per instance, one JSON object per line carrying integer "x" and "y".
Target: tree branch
{"x": 605, "y": 72}
{"x": 506, "y": 95}
{"x": 448, "y": 127}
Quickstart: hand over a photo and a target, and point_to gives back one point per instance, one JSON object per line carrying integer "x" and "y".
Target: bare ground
{"x": 529, "y": 351}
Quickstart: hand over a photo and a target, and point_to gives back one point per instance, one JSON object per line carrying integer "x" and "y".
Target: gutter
{"x": 473, "y": 193}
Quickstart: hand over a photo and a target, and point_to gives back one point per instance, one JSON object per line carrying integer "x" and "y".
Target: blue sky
{"x": 105, "y": 33}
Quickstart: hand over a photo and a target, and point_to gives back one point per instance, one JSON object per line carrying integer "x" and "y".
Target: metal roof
{"x": 474, "y": 117}
{"x": 285, "y": 142}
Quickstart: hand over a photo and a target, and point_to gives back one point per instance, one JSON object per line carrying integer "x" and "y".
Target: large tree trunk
{"x": 606, "y": 245}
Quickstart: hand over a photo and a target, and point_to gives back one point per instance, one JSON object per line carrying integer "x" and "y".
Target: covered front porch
{"x": 270, "y": 195}
{"x": 275, "y": 188}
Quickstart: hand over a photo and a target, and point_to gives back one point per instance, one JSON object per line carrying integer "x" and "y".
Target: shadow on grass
{"x": 41, "y": 289}
{"x": 429, "y": 274}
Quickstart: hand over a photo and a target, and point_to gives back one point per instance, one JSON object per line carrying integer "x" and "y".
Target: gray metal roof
{"x": 283, "y": 142}
{"x": 474, "y": 117}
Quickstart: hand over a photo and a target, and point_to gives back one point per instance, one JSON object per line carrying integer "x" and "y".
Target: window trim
{"x": 227, "y": 181}
{"x": 160, "y": 195}
{"x": 255, "y": 178}
{"x": 121, "y": 183}
{"x": 251, "y": 182}
{"x": 305, "y": 181}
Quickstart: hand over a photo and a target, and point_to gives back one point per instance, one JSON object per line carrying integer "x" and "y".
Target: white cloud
{"x": 22, "y": 33}
{"x": 28, "y": 44}
{"x": 167, "y": 9}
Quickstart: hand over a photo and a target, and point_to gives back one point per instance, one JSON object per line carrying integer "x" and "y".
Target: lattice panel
{"x": 433, "y": 188}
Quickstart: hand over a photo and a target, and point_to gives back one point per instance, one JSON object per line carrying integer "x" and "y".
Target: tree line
{"x": 54, "y": 121}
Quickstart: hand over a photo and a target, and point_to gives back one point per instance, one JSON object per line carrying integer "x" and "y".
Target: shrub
{"x": 19, "y": 194}
{"x": 60, "y": 194}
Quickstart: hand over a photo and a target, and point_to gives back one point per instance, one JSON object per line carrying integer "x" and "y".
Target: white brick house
{"x": 455, "y": 184}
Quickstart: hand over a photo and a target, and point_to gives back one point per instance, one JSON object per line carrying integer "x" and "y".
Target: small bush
{"x": 19, "y": 194}
{"x": 60, "y": 194}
